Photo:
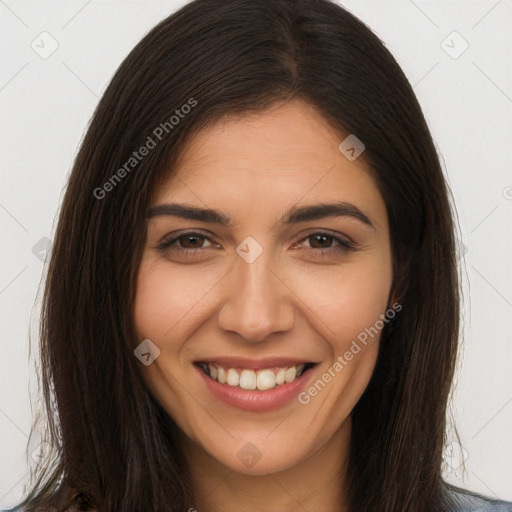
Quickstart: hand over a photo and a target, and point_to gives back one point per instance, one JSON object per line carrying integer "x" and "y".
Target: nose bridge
{"x": 257, "y": 302}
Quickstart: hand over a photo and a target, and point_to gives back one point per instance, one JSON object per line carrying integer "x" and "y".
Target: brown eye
{"x": 320, "y": 241}
{"x": 186, "y": 243}
{"x": 191, "y": 241}
{"x": 325, "y": 244}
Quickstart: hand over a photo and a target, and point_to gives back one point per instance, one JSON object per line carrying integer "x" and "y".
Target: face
{"x": 266, "y": 305}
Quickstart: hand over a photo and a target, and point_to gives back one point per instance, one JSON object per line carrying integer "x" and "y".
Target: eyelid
{"x": 334, "y": 234}
{"x": 171, "y": 238}
{"x": 209, "y": 235}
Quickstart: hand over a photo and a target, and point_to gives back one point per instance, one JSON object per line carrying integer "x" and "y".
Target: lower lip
{"x": 256, "y": 401}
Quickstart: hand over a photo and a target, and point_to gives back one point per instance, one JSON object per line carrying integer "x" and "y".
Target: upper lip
{"x": 254, "y": 364}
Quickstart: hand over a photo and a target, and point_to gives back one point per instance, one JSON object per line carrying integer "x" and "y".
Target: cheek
{"x": 351, "y": 303}
{"x": 166, "y": 295}
{"x": 343, "y": 299}
{"x": 346, "y": 299}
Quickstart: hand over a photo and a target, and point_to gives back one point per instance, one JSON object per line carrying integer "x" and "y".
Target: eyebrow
{"x": 295, "y": 215}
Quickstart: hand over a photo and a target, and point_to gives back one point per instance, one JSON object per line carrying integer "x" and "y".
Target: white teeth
{"x": 261, "y": 380}
{"x": 290, "y": 374}
{"x": 266, "y": 380}
{"x": 232, "y": 377}
{"x": 248, "y": 379}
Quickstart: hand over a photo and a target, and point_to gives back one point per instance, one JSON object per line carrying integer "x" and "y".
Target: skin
{"x": 290, "y": 301}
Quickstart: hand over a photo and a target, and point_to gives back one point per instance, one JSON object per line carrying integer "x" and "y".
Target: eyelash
{"x": 343, "y": 247}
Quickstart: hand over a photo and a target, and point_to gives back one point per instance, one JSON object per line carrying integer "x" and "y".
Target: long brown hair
{"x": 110, "y": 438}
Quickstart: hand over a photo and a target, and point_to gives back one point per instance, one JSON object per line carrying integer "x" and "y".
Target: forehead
{"x": 271, "y": 158}
{"x": 286, "y": 136}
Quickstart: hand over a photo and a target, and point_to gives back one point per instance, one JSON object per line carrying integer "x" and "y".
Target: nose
{"x": 257, "y": 303}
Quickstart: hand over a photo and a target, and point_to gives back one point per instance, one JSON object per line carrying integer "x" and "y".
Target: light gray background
{"x": 46, "y": 104}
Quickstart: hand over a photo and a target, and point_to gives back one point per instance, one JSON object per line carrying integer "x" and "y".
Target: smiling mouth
{"x": 249, "y": 379}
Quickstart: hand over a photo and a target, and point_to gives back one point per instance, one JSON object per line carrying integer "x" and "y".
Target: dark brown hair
{"x": 111, "y": 440}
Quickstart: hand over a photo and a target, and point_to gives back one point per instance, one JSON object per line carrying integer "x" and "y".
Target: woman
{"x": 252, "y": 301}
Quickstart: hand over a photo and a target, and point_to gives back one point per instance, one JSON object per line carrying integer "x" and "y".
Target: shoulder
{"x": 461, "y": 500}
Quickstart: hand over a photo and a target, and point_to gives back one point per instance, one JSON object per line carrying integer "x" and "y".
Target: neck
{"x": 317, "y": 483}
